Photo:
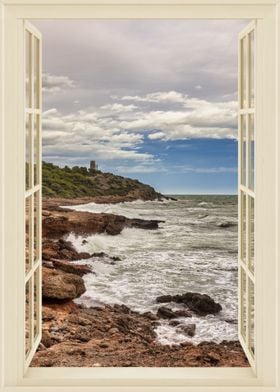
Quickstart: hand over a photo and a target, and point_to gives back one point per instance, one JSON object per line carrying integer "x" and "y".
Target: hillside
{"x": 79, "y": 182}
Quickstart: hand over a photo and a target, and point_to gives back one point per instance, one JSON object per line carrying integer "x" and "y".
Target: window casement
{"x": 33, "y": 191}
{"x": 246, "y": 190}
{"x": 258, "y": 190}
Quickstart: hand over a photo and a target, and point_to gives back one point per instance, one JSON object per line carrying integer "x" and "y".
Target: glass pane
{"x": 37, "y": 296}
{"x": 28, "y": 233}
{"x": 243, "y": 72}
{"x": 28, "y": 54}
{"x": 252, "y": 66}
{"x": 28, "y": 317}
{"x": 243, "y": 149}
{"x": 251, "y": 250}
{"x": 28, "y": 140}
{"x": 251, "y": 309}
{"x": 36, "y": 242}
{"x": 252, "y": 152}
{"x": 36, "y": 150}
{"x": 36, "y": 74}
{"x": 243, "y": 227}
{"x": 243, "y": 322}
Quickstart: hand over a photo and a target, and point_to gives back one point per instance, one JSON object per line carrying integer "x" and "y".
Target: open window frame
{"x": 13, "y": 375}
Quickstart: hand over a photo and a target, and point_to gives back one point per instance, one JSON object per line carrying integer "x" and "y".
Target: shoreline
{"x": 107, "y": 335}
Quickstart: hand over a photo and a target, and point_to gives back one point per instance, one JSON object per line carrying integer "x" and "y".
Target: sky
{"x": 154, "y": 100}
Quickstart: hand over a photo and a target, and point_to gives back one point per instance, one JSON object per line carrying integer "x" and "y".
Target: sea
{"x": 194, "y": 250}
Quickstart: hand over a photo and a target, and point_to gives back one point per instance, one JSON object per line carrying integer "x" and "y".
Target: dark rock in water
{"x": 168, "y": 313}
{"x": 145, "y": 224}
{"x": 201, "y": 304}
{"x": 116, "y": 258}
{"x": 182, "y": 313}
{"x": 150, "y": 316}
{"x": 99, "y": 254}
{"x": 188, "y": 330}
{"x": 174, "y": 323}
{"x": 165, "y": 298}
{"x": 226, "y": 224}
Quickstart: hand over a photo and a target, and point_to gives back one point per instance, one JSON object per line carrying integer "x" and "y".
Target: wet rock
{"x": 63, "y": 221}
{"x": 76, "y": 269}
{"x": 61, "y": 249}
{"x": 174, "y": 323}
{"x": 150, "y": 316}
{"x": 61, "y": 285}
{"x": 182, "y": 313}
{"x": 188, "y": 330}
{"x": 201, "y": 304}
{"x": 226, "y": 224}
{"x": 167, "y": 313}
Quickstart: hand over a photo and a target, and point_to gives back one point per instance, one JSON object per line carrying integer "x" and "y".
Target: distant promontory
{"x": 92, "y": 184}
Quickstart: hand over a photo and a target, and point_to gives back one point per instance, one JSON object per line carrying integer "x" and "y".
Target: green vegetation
{"x": 80, "y": 182}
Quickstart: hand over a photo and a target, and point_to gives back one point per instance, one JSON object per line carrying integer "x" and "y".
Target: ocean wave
{"x": 186, "y": 254}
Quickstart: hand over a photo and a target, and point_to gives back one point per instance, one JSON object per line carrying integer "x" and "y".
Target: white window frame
{"x": 266, "y": 377}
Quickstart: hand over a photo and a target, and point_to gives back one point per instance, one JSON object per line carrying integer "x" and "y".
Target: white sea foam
{"x": 186, "y": 253}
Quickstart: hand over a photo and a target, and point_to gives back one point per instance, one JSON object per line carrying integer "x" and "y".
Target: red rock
{"x": 72, "y": 268}
{"x": 61, "y": 285}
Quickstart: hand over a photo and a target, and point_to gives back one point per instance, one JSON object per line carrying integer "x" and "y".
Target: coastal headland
{"x": 108, "y": 334}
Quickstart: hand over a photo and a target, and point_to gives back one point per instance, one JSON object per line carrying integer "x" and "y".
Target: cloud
{"x": 117, "y": 132}
{"x": 189, "y": 118}
{"x": 165, "y": 96}
{"x": 118, "y": 108}
{"x": 85, "y": 135}
{"x": 54, "y": 84}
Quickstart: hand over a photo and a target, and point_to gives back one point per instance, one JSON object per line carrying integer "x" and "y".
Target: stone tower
{"x": 93, "y": 166}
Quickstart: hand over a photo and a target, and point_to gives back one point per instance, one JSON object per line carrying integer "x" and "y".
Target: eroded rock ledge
{"x": 117, "y": 336}
{"x": 60, "y": 222}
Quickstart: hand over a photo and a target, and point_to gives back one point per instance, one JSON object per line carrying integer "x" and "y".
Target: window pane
{"x": 28, "y": 316}
{"x": 243, "y": 302}
{"x": 243, "y": 227}
{"x": 36, "y": 150}
{"x": 36, "y": 74}
{"x": 36, "y": 249}
{"x": 252, "y": 66}
{"x": 252, "y": 152}
{"x": 28, "y": 40}
{"x": 243, "y": 72}
{"x": 28, "y": 141}
{"x": 37, "y": 296}
{"x": 251, "y": 250}
{"x": 251, "y": 309}
{"x": 243, "y": 149}
{"x": 28, "y": 233}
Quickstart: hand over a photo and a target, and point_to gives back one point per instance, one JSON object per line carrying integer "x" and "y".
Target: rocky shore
{"x": 111, "y": 335}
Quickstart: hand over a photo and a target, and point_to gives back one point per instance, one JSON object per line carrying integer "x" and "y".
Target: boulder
{"x": 168, "y": 313}
{"x": 201, "y": 304}
{"x": 61, "y": 285}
